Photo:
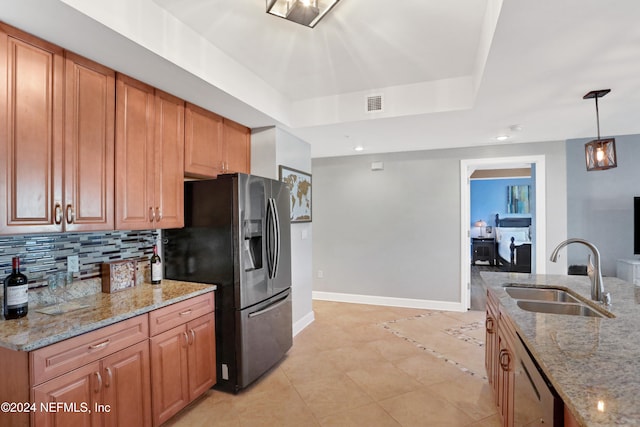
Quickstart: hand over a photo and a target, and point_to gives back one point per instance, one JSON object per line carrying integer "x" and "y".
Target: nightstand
{"x": 483, "y": 249}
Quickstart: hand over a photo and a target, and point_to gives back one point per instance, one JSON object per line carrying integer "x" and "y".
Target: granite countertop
{"x": 588, "y": 360}
{"x": 38, "y": 329}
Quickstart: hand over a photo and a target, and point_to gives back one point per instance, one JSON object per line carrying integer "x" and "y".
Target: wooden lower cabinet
{"x": 113, "y": 391}
{"x": 491, "y": 344}
{"x": 115, "y": 376}
{"x": 127, "y": 387}
{"x": 69, "y": 399}
{"x": 506, "y": 373}
{"x": 500, "y": 358}
{"x": 182, "y": 366}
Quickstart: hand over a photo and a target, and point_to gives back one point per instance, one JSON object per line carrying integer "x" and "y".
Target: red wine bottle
{"x": 16, "y": 298}
{"x": 156, "y": 267}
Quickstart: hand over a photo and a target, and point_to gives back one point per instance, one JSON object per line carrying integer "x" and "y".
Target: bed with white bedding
{"x": 513, "y": 243}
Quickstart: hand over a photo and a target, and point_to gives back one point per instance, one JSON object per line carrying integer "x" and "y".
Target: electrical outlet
{"x": 73, "y": 265}
{"x": 320, "y": 274}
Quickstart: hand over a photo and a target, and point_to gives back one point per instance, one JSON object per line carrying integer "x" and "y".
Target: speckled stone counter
{"x": 38, "y": 329}
{"x": 588, "y": 360}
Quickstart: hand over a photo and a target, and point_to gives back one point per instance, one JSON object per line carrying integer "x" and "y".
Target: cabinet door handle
{"x": 489, "y": 325}
{"x": 70, "y": 214}
{"x": 152, "y": 214}
{"x": 158, "y": 214}
{"x": 109, "y": 377}
{"x": 505, "y": 359}
{"x": 99, "y": 383}
{"x": 57, "y": 214}
{"x": 193, "y": 336}
{"x": 99, "y": 346}
{"x": 186, "y": 339}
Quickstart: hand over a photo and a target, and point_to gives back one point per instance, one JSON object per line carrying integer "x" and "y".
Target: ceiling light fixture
{"x": 502, "y": 137}
{"x": 358, "y": 148}
{"x": 600, "y": 154}
{"x": 303, "y": 12}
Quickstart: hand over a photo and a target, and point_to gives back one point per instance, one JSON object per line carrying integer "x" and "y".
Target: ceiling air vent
{"x": 374, "y": 103}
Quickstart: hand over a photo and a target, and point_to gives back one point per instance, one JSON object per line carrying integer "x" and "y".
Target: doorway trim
{"x": 467, "y": 167}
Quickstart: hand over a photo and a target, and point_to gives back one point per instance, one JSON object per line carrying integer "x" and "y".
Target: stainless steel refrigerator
{"x": 237, "y": 236}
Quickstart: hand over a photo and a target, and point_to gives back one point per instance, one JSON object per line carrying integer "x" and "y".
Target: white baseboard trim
{"x": 389, "y": 301}
{"x": 303, "y": 323}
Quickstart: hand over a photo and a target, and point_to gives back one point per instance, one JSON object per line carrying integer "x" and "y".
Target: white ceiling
{"x": 453, "y": 73}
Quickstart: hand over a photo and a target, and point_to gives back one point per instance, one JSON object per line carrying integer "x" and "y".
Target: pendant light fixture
{"x": 303, "y": 12}
{"x": 600, "y": 154}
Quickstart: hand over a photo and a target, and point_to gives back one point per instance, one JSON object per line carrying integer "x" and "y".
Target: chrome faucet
{"x": 593, "y": 270}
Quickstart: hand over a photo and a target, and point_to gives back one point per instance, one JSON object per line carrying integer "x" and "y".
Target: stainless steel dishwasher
{"x": 536, "y": 403}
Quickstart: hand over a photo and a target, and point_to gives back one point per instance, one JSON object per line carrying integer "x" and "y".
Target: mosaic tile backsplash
{"x": 44, "y": 254}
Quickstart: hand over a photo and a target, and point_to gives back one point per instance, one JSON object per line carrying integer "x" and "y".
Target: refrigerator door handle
{"x": 276, "y": 218}
{"x": 269, "y": 243}
{"x": 273, "y": 238}
{"x": 277, "y": 303}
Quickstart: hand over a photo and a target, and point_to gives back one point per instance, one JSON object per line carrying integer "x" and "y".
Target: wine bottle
{"x": 156, "y": 267}
{"x": 16, "y": 298}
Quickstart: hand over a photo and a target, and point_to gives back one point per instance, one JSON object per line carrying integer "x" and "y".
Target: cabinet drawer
{"x": 176, "y": 314}
{"x": 56, "y": 359}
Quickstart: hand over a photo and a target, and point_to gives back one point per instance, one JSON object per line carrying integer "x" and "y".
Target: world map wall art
{"x": 299, "y": 184}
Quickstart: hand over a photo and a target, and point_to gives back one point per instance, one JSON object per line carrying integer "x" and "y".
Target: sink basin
{"x": 540, "y": 294}
{"x": 559, "y": 308}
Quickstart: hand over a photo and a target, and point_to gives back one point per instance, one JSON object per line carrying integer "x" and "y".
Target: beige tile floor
{"x": 363, "y": 365}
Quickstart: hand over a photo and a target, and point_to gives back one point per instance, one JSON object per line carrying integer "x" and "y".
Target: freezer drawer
{"x": 265, "y": 336}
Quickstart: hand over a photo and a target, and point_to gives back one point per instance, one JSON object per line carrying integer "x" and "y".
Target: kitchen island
{"x": 592, "y": 362}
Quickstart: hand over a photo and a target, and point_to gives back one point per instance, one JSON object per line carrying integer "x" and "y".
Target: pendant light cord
{"x": 597, "y": 117}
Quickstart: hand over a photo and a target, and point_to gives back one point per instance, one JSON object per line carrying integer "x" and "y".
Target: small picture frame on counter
{"x": 118, "y": 275}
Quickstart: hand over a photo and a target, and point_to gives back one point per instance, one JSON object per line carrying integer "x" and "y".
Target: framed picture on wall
{"x": 299, "y": 184}
{"x": 518, "y": 199}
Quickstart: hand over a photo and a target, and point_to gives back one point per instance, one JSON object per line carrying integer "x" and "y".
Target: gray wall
{"x": 600, "y": 203}
{"x": 396, "y": 232}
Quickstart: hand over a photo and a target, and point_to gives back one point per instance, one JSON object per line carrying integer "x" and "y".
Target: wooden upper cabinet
{"x": 203, "y": 142}
{"x": 89, "y": 145}
{"x": 169, "y": 161}
{"x": 149, "y": 157}
{"x": 214, "y": 145}
{"x": 237, "y": 147}
{"x": 31, "y": 106}
{"x": 59, "y": 111}
{"x": 135, "y": 116}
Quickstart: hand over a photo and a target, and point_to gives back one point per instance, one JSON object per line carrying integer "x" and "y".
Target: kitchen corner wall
{"x": 270, "y": 148}
{"x": 395, "y": 233}
{"x": 600, "y": 203}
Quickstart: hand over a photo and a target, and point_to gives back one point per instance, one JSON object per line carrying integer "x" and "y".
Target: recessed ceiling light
{"x": 502, "y": 137}
{"x": 358, "y": 148}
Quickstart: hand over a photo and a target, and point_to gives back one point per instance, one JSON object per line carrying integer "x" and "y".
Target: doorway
{"x": 538, "y": 228}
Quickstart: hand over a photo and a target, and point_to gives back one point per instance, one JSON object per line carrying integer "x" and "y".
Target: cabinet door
{"x": 31, "y": 108}
{"x": 69, "y": 399}
{"x": 169, "y": 161}
{"x": 169, "y": 373}
{"x": 505, "y": 377}
{"x": 135, "y": 104}
{"x": 89, "y": 145}
{"x": 490, "y": 346}
{"x": 203, "y": 142}
{"x": 126, "y": 387}
{"x": 202, "y": 355}
{"x": 237, "y": 147}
